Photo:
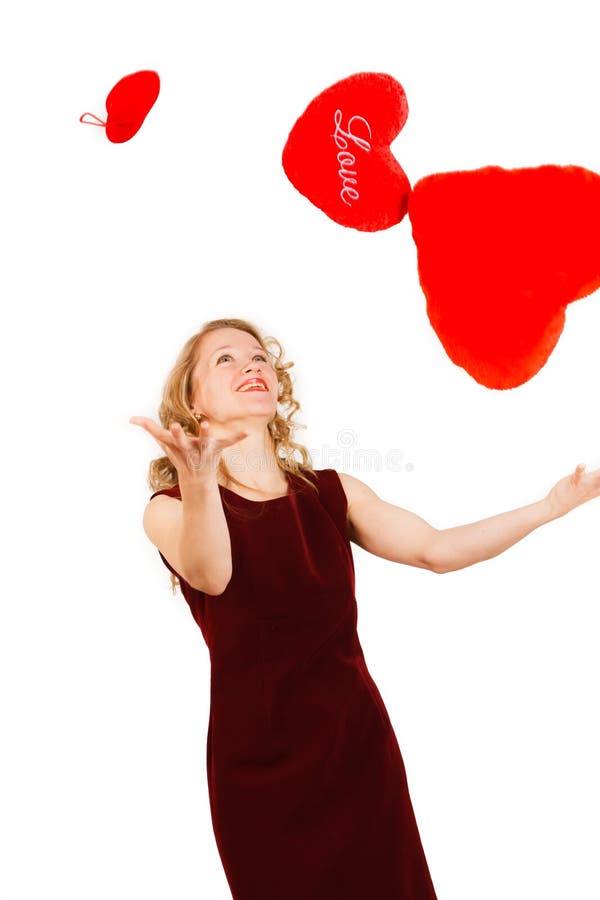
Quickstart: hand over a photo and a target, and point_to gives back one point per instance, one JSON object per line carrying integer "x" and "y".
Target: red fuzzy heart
{"x": 501, "y": 252}
{"x": 338, "y": 152}
{"x": 127, "y": 105}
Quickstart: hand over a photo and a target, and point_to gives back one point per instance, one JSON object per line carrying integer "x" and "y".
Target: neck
{"x": 253, "y": 462}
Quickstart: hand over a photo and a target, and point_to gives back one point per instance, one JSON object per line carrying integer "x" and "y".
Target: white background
{"x": 113, "y": 255}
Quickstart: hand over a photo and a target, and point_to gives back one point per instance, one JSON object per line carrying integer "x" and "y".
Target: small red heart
{"x": 338, "y": 152}
{"x": 501, "y": 252}
{"x": 127, "y": 105}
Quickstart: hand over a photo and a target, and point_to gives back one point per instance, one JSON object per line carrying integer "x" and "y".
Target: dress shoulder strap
{"x": 170, "y": 492}
{"x": 333, "y": 498}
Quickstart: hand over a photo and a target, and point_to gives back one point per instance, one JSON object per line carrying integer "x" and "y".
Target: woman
{"x": 307, "y": 787}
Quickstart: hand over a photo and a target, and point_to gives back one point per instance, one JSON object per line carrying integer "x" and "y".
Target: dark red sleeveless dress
{"x": 307, "y": 786}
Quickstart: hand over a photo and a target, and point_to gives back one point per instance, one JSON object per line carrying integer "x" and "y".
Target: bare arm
{"x": 384, "y": 529}
{"x": 192, "y": 534}
{"x": 399, "y": 535}
{"x": 205, "y": 544}
{"x": 456, "y": 548}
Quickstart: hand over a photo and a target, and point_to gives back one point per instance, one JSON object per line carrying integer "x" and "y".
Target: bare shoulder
{"x": 386, "y": 530}
{"x": 355, "y": 490}
{"x": 358, "y": 494}
{"x": 163, "y": 519}
{"x": 160, "y": 515}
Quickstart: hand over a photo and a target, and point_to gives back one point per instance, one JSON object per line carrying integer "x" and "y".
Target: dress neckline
{"x": 269, "y": 500}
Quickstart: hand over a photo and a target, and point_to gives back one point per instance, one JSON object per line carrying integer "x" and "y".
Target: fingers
{"x": 175, "y": 434}
{"x": 143, "y": 422}
{"x": 158, "y": 433}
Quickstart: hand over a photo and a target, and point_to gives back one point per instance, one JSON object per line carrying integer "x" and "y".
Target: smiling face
{"x": 227, "y": 358}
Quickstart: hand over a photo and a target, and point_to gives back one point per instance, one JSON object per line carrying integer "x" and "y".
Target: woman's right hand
{"x": 195, "y": 458}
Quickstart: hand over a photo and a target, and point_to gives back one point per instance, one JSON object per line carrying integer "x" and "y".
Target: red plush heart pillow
{"x": 501, "y": 252}
{"x": 338, "y": 152}
{"x": 127, "y": 105}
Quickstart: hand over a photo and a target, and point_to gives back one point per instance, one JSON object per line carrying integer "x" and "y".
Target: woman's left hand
{"x": 573, "y": 490}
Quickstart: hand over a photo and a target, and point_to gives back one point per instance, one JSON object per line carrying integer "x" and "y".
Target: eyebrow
{"x": 233, "y": 348}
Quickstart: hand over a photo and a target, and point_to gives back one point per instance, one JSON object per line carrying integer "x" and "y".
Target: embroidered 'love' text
{"x": 346, "y": 159}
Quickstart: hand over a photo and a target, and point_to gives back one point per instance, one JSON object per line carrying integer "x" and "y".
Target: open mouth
{"x": 252, "y": 386}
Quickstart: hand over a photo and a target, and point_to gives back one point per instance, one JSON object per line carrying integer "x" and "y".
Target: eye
{"x": 260, "y": 356}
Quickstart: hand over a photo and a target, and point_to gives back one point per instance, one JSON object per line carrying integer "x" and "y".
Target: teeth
{"x": 252, "y": 384}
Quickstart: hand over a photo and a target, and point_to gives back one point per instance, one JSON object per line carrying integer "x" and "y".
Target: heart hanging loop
{"x": 97, "y": 122}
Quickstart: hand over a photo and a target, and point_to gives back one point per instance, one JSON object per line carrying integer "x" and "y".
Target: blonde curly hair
{"x": 176, "y": 406}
